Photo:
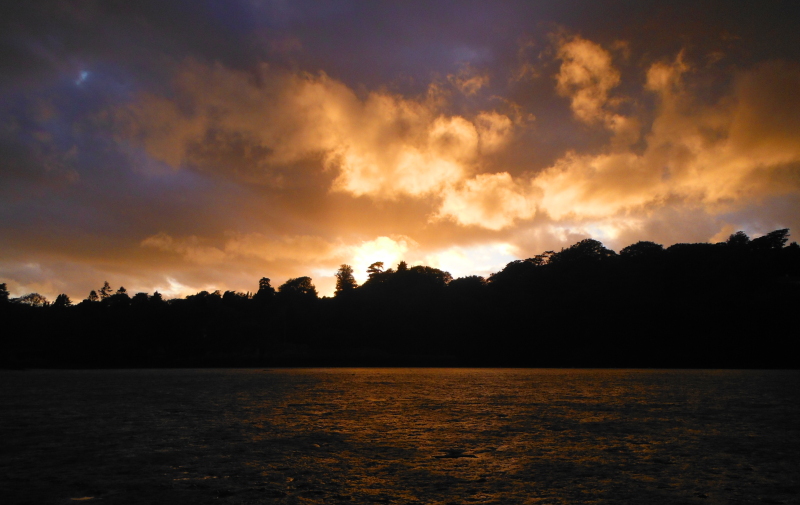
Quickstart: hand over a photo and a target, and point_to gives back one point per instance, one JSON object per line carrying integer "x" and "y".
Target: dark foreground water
{"x": 449, "y": 436}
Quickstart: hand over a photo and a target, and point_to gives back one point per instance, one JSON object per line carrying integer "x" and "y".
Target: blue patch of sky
{"x": 82, "y": 76}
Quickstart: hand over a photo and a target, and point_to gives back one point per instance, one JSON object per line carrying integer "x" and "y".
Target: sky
{"x": 182, "y": 146}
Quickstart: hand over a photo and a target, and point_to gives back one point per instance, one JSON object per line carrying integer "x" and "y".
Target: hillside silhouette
{"x": 724, "y": 305}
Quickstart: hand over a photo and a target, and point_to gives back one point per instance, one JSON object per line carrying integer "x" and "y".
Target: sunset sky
{"x": 182, "y": 146}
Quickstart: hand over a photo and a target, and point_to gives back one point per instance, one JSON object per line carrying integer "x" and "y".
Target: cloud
{"x": 720, "y": 156}
{"x": 270, "y": 126}
{"x": 493, "y": 201}
{"x": 483, "y": 259}
{"x": 665, "y": 78}
{"x": 386, "y": 147}
{"x": 468, "y": 80}
{"x": 298, "y": 248}
{"x": 33, "y": 159}
{"x": 238, "y": 245}
{"x": 722, "y": 235}
{"x": 592, "y": 186}
{"x": 291, "y": 253}
{"x": 729, "y": 154}
{"x": 700, "y": 167}
{"x": 586, "y": 76}
{"x": 260, "y": 127}
{"x": 766, "y": 122}
{"x": 389, "y": 250}
{"x": 494, "y": 130}
{"x": 292, "y": 256}
{"x": 339, "y": 147}
{"x": 188, "y": 247}
{"x": 430, "y": 154}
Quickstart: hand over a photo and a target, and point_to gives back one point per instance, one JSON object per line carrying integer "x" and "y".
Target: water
{"x": 448, "y": 436}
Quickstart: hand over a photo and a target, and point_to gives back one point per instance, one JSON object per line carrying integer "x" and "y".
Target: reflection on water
{"x": 400, "y": 436}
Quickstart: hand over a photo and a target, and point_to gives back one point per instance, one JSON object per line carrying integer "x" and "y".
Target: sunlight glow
{"x": 390, "y": 251}
{"x": 175, "y": 289}
{"x": 480, "y": 260}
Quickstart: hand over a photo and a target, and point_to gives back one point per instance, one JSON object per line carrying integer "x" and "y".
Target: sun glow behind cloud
{"x": 458, "y": 260}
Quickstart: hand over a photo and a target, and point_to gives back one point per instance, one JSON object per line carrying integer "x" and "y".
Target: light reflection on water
{"x": 401, "y": 436}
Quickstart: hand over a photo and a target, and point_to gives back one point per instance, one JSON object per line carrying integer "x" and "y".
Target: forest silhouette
{"x": 723, "y": 305}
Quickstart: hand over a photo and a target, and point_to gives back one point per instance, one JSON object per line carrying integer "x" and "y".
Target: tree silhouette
{"x": 470, "y": 286}
{"x": 642, "y": 250}
{"x": 345, "y": 282}
{"x": 587, "y": 250}
{"x": 234, "y": 296}
{"x": 265, "y": 288}
{"x": 33, "y": 299}
{"x": 3, "y": 293}
{"x": 541, "y": 259}
{"x": 265, "y": 294}
{"x": 582, "y": 306}
{"x": 375, "y": 269}
{"x": 738, "y": 239}
{"x": 62, "y": 301}
{"x": 771, "y": 241}
{"x": 119, "y": 299}
{"x": 440, "y": 278}
{"x": 377, "y": 275}
{"x": 105, "y": 291}
{"x": 139, "y": 300}
{"x": 516, "y": 276}
{"x": 300, "y": 287}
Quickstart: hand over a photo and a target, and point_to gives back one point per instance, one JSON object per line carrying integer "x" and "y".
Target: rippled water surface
{"x": 447, "y": 436}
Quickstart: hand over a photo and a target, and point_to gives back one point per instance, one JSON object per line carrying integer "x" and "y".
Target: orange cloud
{"x": 254, "y": 245}
{"x": 468, "y": 80}
{"x": 386, "y": 147}
{"x": 493, "y": 201}
{"x": 719, "y": 156}
{"x": 591, "y": 186}
{"x": 586, "y": 76}
{"x": 189, "y": 247}
{"x": 299, "y": 250}
{"x": 383, "y": 146}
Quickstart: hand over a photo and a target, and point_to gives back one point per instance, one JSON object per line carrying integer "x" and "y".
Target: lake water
{"x": 443, "y": 436}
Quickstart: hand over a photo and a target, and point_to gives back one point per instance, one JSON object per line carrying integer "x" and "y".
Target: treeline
{"x": 731, "y": 304}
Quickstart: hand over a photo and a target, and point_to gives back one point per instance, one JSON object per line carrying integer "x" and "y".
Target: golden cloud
{"x": 298, "y": 248}
{"x": 383, "y": 146}
{"x": 492, "y": 201}
{"x": 720, "y": 156}
{"x": 586, "y": 76}
{"x": 468, "y": 80}
{"x": 594, "y": 186}
{"x": 190, "y": 248}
